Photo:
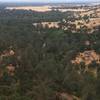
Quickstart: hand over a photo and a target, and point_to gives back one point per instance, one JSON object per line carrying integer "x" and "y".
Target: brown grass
{"x": 37, "y": 8}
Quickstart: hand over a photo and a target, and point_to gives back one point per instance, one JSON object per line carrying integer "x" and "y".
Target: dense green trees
{"x": 43, "y": 59}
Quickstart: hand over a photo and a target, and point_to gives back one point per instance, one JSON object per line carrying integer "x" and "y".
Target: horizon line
{"x": 49, "y": 2}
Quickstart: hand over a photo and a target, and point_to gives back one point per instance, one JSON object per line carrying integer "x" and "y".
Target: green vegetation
{"x": 42, "y": 58}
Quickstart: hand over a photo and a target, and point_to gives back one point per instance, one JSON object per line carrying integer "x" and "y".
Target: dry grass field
{"x": 44, "y": 8}
{"x": 34, "y": 8}
{"x": 93, "y": 21}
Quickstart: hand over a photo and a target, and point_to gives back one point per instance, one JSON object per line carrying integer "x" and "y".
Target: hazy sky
{"x": 50, "y": 0}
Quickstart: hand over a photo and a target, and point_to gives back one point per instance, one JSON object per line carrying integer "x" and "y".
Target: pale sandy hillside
{"x": 34, "y": 8}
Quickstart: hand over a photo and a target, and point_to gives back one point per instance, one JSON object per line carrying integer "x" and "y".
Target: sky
{"x": 50, "y": 0}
